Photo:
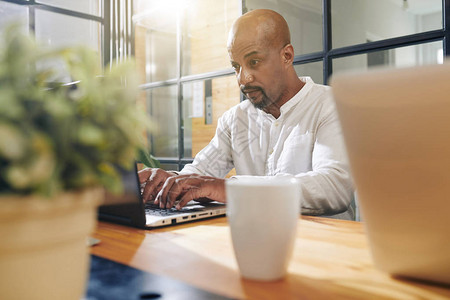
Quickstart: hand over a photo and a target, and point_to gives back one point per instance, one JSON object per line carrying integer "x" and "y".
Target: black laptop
{"x": 129, "y": 209}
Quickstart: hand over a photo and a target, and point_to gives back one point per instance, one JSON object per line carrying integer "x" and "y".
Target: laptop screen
{"x": 126, "y": 208}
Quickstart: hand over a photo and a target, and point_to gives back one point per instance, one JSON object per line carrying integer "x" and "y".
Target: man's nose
{"x": 244, "y": 77}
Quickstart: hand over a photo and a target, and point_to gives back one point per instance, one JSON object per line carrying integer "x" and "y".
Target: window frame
{"x": 181, "y": 160}
{"x": 328, "y": 53}
{"x": 326, "y": 56}
{"x": 107, "y": 21}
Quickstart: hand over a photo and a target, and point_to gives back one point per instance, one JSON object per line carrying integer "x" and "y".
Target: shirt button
{"x": 271, "y": 151}
{"x": 276, "y": 123}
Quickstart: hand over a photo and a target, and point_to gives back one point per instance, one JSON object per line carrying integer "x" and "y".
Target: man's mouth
{"x": 251, "y": 93}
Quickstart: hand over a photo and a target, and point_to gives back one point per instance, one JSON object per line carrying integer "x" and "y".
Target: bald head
{"x": 264, "y": 25}
{"x": 261, "y": 55}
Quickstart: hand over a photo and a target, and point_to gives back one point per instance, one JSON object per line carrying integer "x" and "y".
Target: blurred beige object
{"x": 43, "y": 252}
{"x": 396, "y": 125}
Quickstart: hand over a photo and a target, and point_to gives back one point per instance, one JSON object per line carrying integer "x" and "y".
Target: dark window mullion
{"x": 446, "y": 25}
{"x": 67, "y": 12}
{"x": 409, "y": 40}
{"x": 208, "y": 75}
{"x": 180, "y": 24}
{"x": 114, "y": 30}
{"x": 32, "y": 20}
{"x": 169, "y": 160}
{"x": 327, "y": 40}
{"x": 131, "y": 28}
{"x": 243, "y": 10}
{"x": 19, "y": 2}
{"x": 106, "y": 39}
{"x": 307, "y": 58}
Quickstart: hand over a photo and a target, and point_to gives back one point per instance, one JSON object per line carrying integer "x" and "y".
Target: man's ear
{"x": 288, "y": 54}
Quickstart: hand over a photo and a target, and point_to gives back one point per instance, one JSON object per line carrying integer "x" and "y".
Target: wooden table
{"x": 331, "y": 261}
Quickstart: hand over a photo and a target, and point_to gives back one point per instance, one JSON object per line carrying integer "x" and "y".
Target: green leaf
{"x": 147, "y": 159}
{"x": 13, "y": 142}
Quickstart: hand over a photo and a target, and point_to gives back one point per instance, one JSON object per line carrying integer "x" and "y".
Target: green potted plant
{"x": 59, "y": 147}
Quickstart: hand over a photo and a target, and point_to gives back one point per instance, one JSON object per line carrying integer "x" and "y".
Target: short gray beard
{"x": 265, "y": 101}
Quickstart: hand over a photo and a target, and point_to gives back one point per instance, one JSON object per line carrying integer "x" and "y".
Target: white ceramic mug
{"x": 263, "y": 214}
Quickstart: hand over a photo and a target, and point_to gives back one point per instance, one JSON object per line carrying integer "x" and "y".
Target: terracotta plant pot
{"x": 43, "y": 247}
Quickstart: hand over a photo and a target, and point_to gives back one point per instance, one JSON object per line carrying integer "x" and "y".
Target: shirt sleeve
{"x": 215, "y": 159}
{"x": 328, "y": 188}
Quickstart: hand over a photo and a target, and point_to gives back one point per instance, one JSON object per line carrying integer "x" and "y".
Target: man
{"x": 288, "y": 126}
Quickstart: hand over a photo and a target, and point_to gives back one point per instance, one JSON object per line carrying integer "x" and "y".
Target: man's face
{"x": 259, "y": 69}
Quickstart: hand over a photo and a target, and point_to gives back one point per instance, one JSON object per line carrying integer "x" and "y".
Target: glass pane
{"x": 430, "y": 53}
{"x": 205, "y": 35}
{"x": 155, "y": 40}
{"x": 162, "y": 105}
{"x": 61, "y": 30}
{"x": 169, "y": 167}
{"x": 56, "y": 30}
{"x": 13, "y": 13}
{"x": 92, "y": 7}
{"x": 203, "y": 103}
{"x": 304, "y": 18}
{"x": 313, "y": 70}
{"x": 361, "y": 21}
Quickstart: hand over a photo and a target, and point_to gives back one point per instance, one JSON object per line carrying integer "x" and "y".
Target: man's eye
{"x": 254, "y": 62}
{"x": 235, "y": 67}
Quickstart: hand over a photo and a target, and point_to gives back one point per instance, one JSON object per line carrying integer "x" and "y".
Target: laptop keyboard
{"x": 155, "y": 210}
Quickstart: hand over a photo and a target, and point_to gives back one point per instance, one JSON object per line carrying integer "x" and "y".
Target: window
{"x": 59, "y": 23}
{"x": 304, "y": 19}
{"x": 360, "y": 34}
{"x": 183, "y": 62}
{"x": 11, "y": 12}
{"x": 102, "y": 25}
{"x": 359, "y": 21}
{"x": 420, "y": 54}
{"x": 203, "y": 102}
{"x": 180, "y": 49}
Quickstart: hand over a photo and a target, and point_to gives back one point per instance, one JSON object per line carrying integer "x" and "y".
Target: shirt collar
{"x": 294, "y": 100}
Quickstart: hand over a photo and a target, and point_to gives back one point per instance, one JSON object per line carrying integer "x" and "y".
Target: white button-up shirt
{"x": 305, "y": 141}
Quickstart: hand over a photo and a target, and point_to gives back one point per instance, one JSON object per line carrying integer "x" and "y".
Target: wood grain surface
{"x": 331, "y": 261}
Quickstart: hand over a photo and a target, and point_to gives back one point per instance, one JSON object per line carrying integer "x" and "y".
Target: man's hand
{"x": 190, "y": 187}
{"x": 153, "y": 179}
